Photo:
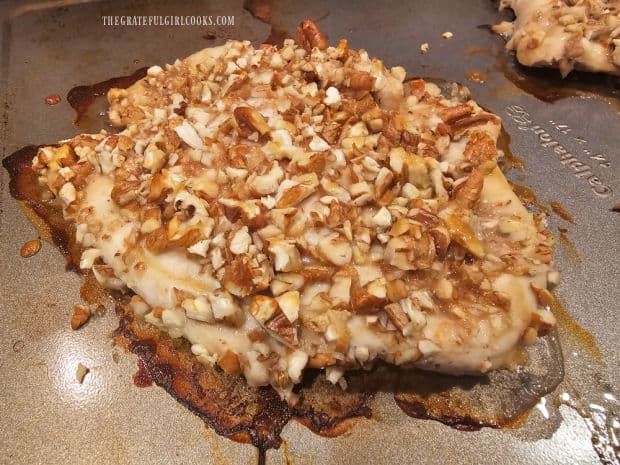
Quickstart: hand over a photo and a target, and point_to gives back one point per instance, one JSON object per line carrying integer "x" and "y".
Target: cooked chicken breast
{"x": 307, "y": 207}
{"x": 567, "y": 34}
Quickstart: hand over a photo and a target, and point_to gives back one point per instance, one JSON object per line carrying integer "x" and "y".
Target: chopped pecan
{"x": 336, "y": 250}
{"x": 158, "y": 189}
{"x": 480, "y": 148}
{"x": 30, "y": 248}
{"x": 316, "y": 273}
{"x": 396, "y": 290}
{"x": 157, "y": 241}
{"x": 361, "y": 81}
{"x": 81, "y": 314}
{"x": 397, "y": 316}
{"x": 543, "y": 296}
{"x": 392, "y": 128}
{"x": 124, "y": 192}
{"x": 467, "y": 193}
{"x": 462, "y": 234}
{"x": 331, "y": 132}
{"x": 322, "y": 360}
{"x": 470, "y": 121}
{"x": 418, "y": 88}
{"x": 359, "y": 106}
{"x": 82, "y": 172}
{"x": 245, "y": 157}
{"x": 268, "y": 313}
{"x": 450, "y": 114}
{"x": 238, "y": 277}
{"x": 441, "y": 238}
{"x": 310, "y": 36}
{"x": 250, "y": 120}
{"x": 229, "y": 362}
{"x": 407, "y": 253}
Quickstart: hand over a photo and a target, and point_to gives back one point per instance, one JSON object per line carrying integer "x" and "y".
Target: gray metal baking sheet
{"x": 47, "y": 417}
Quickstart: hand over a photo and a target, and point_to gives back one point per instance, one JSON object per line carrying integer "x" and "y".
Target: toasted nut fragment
{"x": 229, "y": 362}
{"x": 81, "y": 314}
{"x": 316, "y": 273}
{"x": 441, "y": 238}
{"x": 291, "y": 192}
{"x": 267, "y": 183}
{"x": 263, "y": 308}
{"x": 383, "y": 181}
{"x": 397, "y": 316}
{"x": 336, "y": 250}
{"x": 451, "y": 114}
{"x": 382, "y": 218}
{"x": 480, "y": 148}
{"x": 240, "y": 241}
{"x": 283, "y": 328}
{"x": 81, "y": 372}
{"x": 286, "y": 282}
{"x": 289, "y": 304}
{"x": 124, "y": 192}
{"x": 543, "y": 296}
{"x": 65, "y": 156}
{"x": 269, "y": 314}
{"x": 251, "y": 120}
{"x": 286, "y": 255}
{"x": 362, "y": 81}
{"x": 407, "y": 253}
{"x": 321, "y": 360}
{"x": 340, "y": 291}
{"x": 467, "y": 194}
{"x": 238, "y": 277}
{"x": 30, "y": 248}
{"x": 542, "y": 321}
{"x": 444, "y": 289}
{"x": 362, "y": 301}
{"x": 463, "y": 235}
{"x": 396, "y": 290}
{"x": 309, "y": 36}
{"x": 106, "y": 277}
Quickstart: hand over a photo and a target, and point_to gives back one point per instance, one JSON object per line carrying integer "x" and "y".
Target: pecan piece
{"x": 361, "y": 81}
{"x": 229, "y": 362}
{"x": 124, "y": 192}
{"x": 250, "y": 120}
{"x": 309, "y": 36}
{"x": 30, "y": 248}
{"x": 269, "y": 314}
{"x": 474, "y": 120}
{"x": 467, "y": 194}
{"x": 81, "y": 314}
{"x": 397, "y": 315}
{"x": 451, "y": 114}
{"x": 463, "y": 235}
{"x": 480, "y": 148}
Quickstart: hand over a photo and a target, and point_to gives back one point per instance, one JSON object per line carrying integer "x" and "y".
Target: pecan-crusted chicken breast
{"x": 307, "y": 207}
{"x": 567, "y": 34}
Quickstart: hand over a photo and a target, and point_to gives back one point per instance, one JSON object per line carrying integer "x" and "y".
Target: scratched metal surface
{"x": 47, "y": 417}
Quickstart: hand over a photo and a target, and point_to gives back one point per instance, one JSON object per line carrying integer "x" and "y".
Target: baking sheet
{"x": 46, "y": 416}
